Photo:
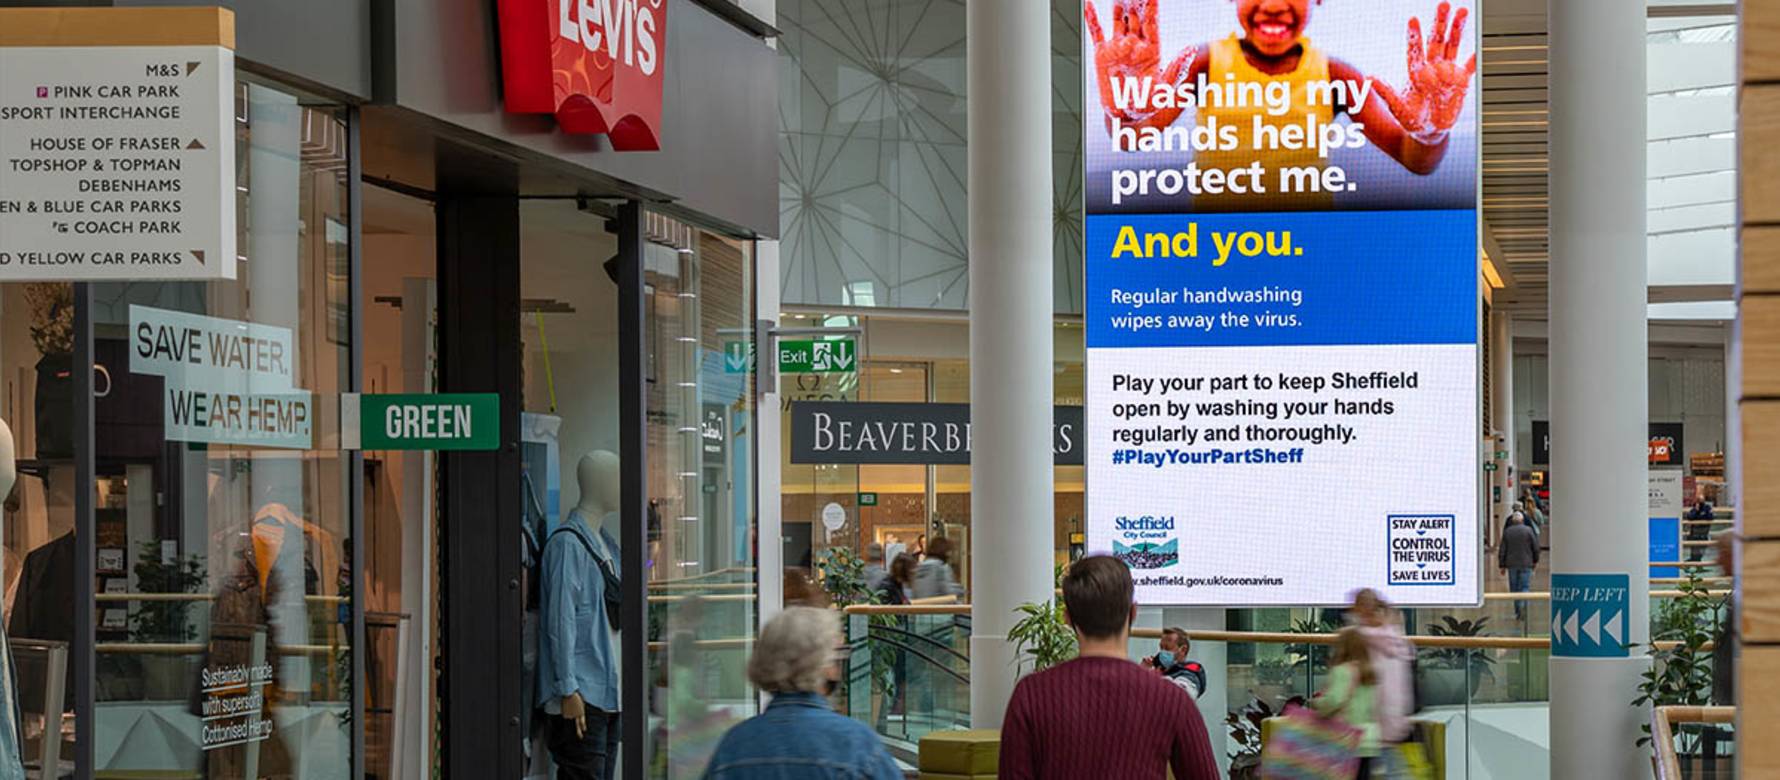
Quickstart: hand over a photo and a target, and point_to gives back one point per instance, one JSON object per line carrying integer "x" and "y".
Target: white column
{"x": 768, "y": 525}
{"x": 1009, "y": 64}
{"x": 1599, "y": 370}
{"x": 1501, "y": 420}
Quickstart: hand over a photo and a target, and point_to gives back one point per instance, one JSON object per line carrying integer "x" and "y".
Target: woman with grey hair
{"x": 796, "y": 659}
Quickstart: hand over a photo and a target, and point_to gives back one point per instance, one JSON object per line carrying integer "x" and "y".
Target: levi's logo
{"x": 617, "y": 27}
{"x": 596, "y": 65}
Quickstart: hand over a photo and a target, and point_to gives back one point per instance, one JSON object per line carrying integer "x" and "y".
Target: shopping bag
{"x": 1306, "y": 746}
{"x": 1408, "y": 761}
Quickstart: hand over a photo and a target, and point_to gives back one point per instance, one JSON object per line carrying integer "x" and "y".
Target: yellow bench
{"x": 960, "y": 755}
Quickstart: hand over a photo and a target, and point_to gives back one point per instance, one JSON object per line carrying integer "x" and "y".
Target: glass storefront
{"x": 228, "y": 580}
{"x": 222, "y": 530}
{"x": 904, "y": 506}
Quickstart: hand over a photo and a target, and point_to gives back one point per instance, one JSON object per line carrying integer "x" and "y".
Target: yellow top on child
{"x": 1274, "y": 151}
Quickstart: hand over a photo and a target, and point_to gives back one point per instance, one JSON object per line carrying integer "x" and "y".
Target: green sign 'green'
{"x": 818, "y": 356}
{"x": 738, "y": 356}
{"x": 438, "y": 421}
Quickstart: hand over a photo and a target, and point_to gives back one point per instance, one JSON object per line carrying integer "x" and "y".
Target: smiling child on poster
{"x": 1273, "y": 54}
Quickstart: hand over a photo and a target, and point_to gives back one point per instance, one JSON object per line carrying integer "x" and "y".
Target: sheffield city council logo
{"x": 1140, "y": 542}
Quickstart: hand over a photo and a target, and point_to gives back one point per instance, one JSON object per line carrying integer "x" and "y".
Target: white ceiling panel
{"x": 1680, "y": 66}
{"x": 1699, "y": 257}
{"x": 1692, "y": 155}
{"x": 1698, "y": 189}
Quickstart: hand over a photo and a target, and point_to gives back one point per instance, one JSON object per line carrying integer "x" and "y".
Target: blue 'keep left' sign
{"x": 1590, "y": 615}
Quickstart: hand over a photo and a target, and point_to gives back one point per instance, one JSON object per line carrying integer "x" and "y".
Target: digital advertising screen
{"x": 1283, "y": 298}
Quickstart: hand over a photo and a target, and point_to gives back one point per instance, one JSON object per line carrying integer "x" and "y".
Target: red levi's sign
{"x": 595, "y": 64}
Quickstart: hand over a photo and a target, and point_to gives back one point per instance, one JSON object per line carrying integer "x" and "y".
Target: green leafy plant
{"x": 1244, "y": 728}
{"x": 1681, "y": 674}
{"x": 843, "y": 577}
{"x": 1042, "y": 637}
{"x": 1479, "y": 665}
{"x": 1277, "y": 670}
{"x": 165, "y": 621}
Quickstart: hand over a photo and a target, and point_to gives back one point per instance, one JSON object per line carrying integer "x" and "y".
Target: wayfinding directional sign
{"x": 818, "y": 356}
{"x": 1590, "y": 615}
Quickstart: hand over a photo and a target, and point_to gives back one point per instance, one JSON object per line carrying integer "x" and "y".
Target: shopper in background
{"x": 1530, "y": 509}
{"x": 1100, "y": 715}
{"x": 934, "y": 576}
{"x": 1352, "y": 694}
{"x": 899, "y": 583}
{"x": 1393, "y": 663}
{"x": 1519, "y": 555}
{"x": 875, "y": 574}
{"x": 1172, "y": 662}
{"x": 920, "y": 548}
{"x": 801, "y": 591}
{"x": 800, "y": 735}
{"x": 1699, "y": 531}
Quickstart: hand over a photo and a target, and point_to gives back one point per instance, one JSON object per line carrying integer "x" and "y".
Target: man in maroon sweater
{"x": 1100, "y": 715}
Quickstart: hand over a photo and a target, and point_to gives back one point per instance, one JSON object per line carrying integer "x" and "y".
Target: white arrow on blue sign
{"x": 1589, "y": 615}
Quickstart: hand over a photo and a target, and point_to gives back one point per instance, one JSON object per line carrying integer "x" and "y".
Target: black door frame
{"x": 482, "y": 606}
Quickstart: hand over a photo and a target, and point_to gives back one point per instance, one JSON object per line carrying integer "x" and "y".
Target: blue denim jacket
{"x": 575, "y": 651}
{"x": 800, "y": 737}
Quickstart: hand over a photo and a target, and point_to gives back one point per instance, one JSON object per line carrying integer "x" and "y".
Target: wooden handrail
{"x": 1668, "y": 766}
{"x": 908, "y": 609}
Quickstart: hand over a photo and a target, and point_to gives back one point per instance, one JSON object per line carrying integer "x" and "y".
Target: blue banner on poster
{"x": 1665, "y": 545}
{"x": 1590, "y": 615}
{"x": 1281, "y": 279}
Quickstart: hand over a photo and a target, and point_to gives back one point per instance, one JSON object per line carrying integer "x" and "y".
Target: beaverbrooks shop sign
{"x": 596, "y": 65}
{"x": 905, "y": 433}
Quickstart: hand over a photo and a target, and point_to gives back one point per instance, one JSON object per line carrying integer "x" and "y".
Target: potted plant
{"x": 52, "y": 332}
{"x": 1681, "y": 674}
{"x": 842, "y": 572}
{"x": 165, "y": 676}
{"x": 1042, "y": 638}
{"x": 1451, "y": 675}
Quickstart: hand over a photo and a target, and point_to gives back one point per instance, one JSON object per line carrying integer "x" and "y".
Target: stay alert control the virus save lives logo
{"x": 596, "y": 65}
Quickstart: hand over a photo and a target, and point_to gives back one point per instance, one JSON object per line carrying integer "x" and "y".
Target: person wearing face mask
{"x": 1171, "y": 662}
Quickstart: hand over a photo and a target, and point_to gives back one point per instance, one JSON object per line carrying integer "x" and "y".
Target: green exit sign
{"x": 818, "y": 356}
{"x": 420, "y": 421}
{"x": 868, "y": 499}
{"x": 1489, "y": 467}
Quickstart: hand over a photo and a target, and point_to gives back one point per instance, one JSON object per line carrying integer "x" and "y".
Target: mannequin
{"x": 11, "y": 765}
{"x": 578, "y": 658}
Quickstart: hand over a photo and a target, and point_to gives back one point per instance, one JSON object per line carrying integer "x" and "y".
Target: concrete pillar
{"x": 1599, "y": 369}
{"x": 1501, "y": 421}
{"x": 1009, "y": 66}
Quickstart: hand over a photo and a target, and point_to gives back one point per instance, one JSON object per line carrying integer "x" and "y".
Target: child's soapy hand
{"x": 1438, "y": 83}
{"x": 1134, "y": 51}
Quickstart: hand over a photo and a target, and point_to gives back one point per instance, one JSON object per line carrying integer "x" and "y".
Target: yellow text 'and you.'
{"x": 1224, "y": 245}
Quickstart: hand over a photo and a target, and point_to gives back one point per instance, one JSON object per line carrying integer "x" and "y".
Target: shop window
{"x": 702, "y": 602}
{"x": 223, "y": 597}
{"x": 36, "y": 370}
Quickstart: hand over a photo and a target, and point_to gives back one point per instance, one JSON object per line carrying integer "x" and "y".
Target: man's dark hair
{"x": 1181, "y": 640}
{"x": 1097, "y": 592}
